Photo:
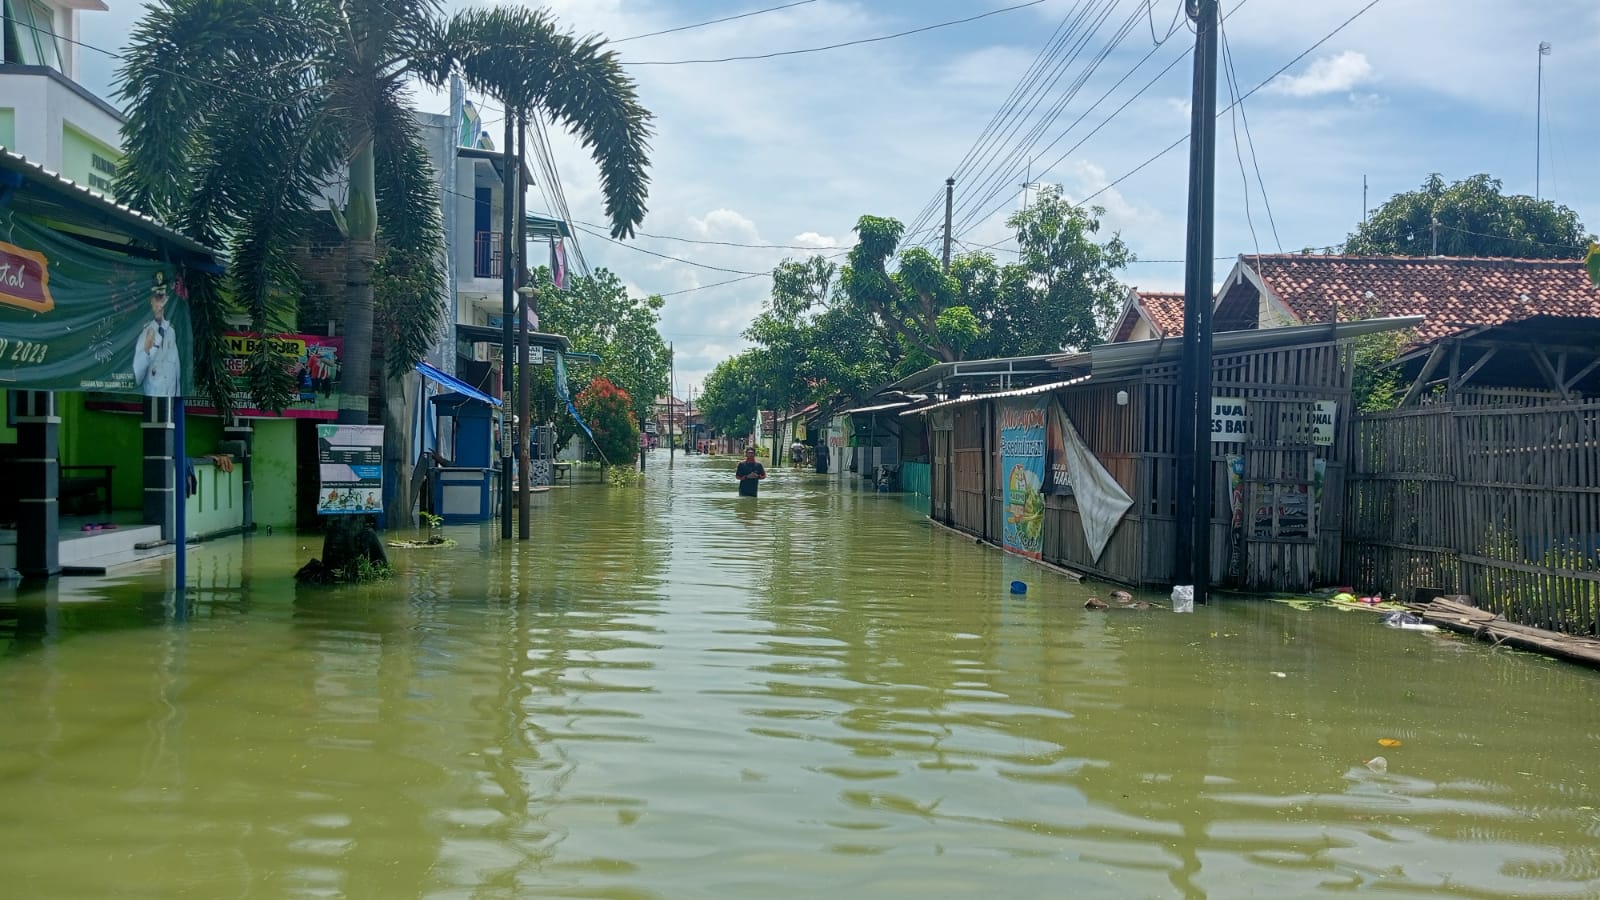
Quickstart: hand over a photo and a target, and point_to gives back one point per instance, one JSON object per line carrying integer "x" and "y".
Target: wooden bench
{"x": 93, "y": 485}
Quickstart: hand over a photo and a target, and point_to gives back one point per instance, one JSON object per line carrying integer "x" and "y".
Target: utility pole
{"x": 524, "y": 371}
{"x": 1538, "y": 119}
{"x": 1435, "y": 230}
{"x": 508, "y": 313}
{"x": 1194, "y": 395}
{"x": 949, "y": 204}
{"x": 672, "y": 405}
{"x": 1363, "y": 199}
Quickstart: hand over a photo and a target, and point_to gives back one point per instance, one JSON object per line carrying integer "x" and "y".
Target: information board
{"x": 351, "y": 460}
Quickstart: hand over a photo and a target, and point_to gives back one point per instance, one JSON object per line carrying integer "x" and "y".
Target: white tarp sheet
{"x": 1101, "y": 500}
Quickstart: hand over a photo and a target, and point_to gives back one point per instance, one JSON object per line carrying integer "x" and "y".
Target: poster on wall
{"x": 1022, "y": 466}
{"x": 351, "y": 461}
{"x": 1229, "y": 422}
{"x": 76, "y": 318}
{"x": 313, "y": 361}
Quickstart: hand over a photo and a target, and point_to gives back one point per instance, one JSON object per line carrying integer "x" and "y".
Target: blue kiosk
{"x": 467, "y": 490}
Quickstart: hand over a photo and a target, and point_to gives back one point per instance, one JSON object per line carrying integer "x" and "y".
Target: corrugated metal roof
{"x": 1001, "y": 395}
{"x": 93, "y": 199}
{"x": 898, "y": 404}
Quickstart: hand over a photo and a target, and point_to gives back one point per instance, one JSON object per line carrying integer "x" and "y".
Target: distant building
{"x": 45, "y": 114}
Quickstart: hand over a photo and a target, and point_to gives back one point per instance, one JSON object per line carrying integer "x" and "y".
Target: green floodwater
{"x": 671, "y": 692}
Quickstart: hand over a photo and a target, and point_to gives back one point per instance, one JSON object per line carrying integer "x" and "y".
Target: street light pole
{"x": 1538, "y": 120}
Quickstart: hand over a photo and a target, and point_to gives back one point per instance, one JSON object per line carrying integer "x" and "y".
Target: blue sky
{"x": 792, "y": 150}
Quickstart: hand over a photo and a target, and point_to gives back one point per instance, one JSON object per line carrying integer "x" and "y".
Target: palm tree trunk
{"x": 361, "y": 251}
{"x": 341, "y": 542}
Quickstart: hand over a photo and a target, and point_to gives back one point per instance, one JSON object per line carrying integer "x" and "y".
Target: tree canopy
{"x": 1060, "y": 293}
{"x": 1475, "y": 219}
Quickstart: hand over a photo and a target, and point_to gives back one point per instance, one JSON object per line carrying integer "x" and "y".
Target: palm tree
{"x": 243, "y": 113}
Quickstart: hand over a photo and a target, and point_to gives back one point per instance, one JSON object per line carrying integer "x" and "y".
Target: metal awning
{"x": 455, "y": 384}
{"x": 483, "y": 334}
{"x": 1000, "y": 395}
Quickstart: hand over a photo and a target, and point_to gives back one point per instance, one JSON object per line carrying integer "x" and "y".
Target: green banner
{"x": 78, "y": 318}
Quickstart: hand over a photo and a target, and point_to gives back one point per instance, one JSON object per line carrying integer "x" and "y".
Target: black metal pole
{"x": 949, "y": 201}
{"x": 508, "y": 315}
{"x": 1194, "y": 400}
{"x": 524, "y": 371}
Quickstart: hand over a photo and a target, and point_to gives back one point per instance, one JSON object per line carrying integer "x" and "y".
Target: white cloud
{"x": 1328, "y": 75}
{"x": 812, "y": 239}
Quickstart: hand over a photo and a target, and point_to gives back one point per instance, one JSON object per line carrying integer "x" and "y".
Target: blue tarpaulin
{"x": 455, "y": 384}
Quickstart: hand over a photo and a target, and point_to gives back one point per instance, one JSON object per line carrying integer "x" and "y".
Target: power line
{"x": 1284, "y": 68}
{"x": 690, "y": 262}
{"x": 1008, "y": 107}
{"x": 871, "y": 40}
{"x": 1096, "y": 130}
{"x": 669, "y": 237}
{"x": 1004, "y": 172}
{"x": 640, "y": 37}
{"x": 1057, "y": 57}
{"x": 971, "y": 207}
{"x": 1255, "y": 160}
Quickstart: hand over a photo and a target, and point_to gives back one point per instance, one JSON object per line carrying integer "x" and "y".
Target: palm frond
{"x": 409, "y": 281}
{"x": 517, "y": 56}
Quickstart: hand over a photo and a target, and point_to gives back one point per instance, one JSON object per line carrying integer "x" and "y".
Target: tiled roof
{"x": 1453, "y": 293}
{"x": 1164, "y": 310}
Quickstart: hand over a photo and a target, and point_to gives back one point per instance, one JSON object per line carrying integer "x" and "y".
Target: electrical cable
{"x": 640, "y": 37}
{"x": 605, "y": 237}
{"x": 1255, "y": 161}
{"x": 1004, "y": 170}
{"x": 968, "y": 220}
{"x": 1058, "y": 58}
{"x": 871, "y": 40}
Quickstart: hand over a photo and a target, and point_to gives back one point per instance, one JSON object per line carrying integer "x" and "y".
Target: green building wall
{"x": 273, "y": 468}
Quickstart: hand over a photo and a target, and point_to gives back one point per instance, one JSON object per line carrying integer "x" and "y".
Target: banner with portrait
{"x": 1022, "y": 468}
{"x": 78, "y": 318}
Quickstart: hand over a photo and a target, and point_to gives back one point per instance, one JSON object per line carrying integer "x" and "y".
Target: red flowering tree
{"x": 608, "y": 410}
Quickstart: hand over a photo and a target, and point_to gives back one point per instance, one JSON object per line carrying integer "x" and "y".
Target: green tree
{"x": 1475, "y": 219}
{"x": 599, "y": 316}
{"x": 609, "y": 412}
{"x": 1060, "y": 294}
{"x": 731, "y": 397}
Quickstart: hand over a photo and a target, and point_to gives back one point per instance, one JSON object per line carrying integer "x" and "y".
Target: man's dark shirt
{"x": 749, "y": 486}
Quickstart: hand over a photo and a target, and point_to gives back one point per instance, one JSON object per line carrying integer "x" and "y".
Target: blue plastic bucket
{"x": 1019, "y": 587}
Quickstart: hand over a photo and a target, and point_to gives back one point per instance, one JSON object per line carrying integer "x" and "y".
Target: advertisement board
{"x": 77, "y": 318}
{"x": 1022, "y": 467}
{"x": 350, "y": 458}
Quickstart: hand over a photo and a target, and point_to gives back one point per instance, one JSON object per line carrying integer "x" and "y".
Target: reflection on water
{"x": 673, "y": 692}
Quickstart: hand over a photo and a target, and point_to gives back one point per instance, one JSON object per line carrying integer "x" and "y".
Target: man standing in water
{"x": 749, "y": 474}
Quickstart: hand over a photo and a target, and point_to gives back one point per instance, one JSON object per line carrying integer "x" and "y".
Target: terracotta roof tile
{"x": 1453, "y": 293}
{"x": 1164, "y": 310}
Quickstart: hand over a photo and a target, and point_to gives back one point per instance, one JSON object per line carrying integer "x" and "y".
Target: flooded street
{"x": 671, "y": 692}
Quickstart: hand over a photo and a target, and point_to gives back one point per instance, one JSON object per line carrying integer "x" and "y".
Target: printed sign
{"x": 1308, "y": 423}
{"x": 351, "y": 460}
{"x": 1023, "y": 448}
{"x": 77, "y": 318}
{"x": 1229, "y": 422}
{"x": 312, "y": 359}
{"x": 1059, "y": 475}
{"x": 25, "y": 279}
